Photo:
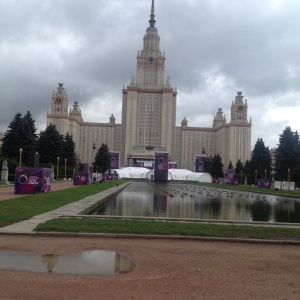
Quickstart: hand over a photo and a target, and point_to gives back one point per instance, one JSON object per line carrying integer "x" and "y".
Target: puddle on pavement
{"x": 96, "y": 262}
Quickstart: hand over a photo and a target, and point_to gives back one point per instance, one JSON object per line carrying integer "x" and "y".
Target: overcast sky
{"x": 213, "y": 49}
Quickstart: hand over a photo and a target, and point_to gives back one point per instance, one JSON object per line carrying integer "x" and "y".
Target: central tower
{"x": 149, "y": 104}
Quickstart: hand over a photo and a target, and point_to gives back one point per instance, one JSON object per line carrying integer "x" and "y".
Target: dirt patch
{"x": 165, "y": 269}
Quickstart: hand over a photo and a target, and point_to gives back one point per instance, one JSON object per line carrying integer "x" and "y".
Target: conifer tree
{"x": 69, "y": 151}
{"x": 216, "y": 166}
{"x": 230, "y": 166}
{"x": 50, "y": 146}
{"x": 261, "y": 162}
{"x": 103, "y": 159}
{"x": 287, "y": 156}
{"x": 20, "y": 135}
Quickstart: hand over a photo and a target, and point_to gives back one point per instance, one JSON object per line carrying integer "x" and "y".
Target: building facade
{"x": 149, "y": 119}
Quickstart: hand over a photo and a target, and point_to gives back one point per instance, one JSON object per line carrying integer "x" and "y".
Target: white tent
{"x": 173, "y": 174}
{"x": 131, "y": 172}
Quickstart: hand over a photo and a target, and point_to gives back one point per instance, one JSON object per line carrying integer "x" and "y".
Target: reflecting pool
{"x": 95, "y": 262}
{"x": 172, "y": 200}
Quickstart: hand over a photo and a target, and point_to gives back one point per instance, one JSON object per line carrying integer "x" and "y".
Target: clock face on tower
{"x": 240, "y": 108}
{"x": 58, "y": 100}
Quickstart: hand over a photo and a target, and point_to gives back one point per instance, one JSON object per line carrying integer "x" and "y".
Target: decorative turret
{"x": 60, "y": 101}
{"x": 112, "y": 120}
{"x": 75, "y": 112}
{"x": 219, "y": 119}
{"x": 150, "y": 61}
{"x": 184, "y": 123}
{"x": 239, "y": 109}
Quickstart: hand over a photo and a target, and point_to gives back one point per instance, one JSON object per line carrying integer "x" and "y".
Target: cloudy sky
{"x": 213, "y": 49}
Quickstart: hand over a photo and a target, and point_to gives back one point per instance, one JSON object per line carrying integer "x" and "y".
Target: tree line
{"x": 22, "y": 144}
{"x": 50, "y": 144}
{"x": 283, "y": 166}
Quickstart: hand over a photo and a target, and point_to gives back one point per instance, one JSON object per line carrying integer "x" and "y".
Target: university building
{"x": 149, "y": 119}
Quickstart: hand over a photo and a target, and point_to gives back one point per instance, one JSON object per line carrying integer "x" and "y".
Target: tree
{"x": 216, "y": 166}
{"x": 287, "y": 156}
{"x": 10, "y": 144}
{"x": 261, "y": 162}
{"x": 102, "y": 159}
{"x": 248, "y": 172}
{"x": 239, "y": 168}
{"x": 230, "y": 166}
{"x": 68, "y": 151}
{"x": 28, "y": 139}
{"x": 21, "y": 134}
{"x": 207, "y": 165}
{"x": 50, "y": 146}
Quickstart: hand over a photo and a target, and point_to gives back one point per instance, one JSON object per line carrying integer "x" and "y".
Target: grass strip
{"x": 24, "y": 208}
{"x": 146, "y": 227}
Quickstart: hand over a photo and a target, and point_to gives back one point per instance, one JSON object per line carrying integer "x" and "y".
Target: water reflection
{"x": 95, "y": 262}
{"x": 189, "y": 201}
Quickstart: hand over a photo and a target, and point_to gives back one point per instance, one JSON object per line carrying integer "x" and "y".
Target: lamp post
{"x": 255, "y": 176}
{"x": 241, "y": 177}
{"x": 65, "y": 169}
{"x": 77, "y": 165}
{"x": 20, "y": 158}
{"x": 289, "y": 177}
{"x": 265, "y": 174}
{"x": 36, "y": 160}
{"x": 57, "y": 168}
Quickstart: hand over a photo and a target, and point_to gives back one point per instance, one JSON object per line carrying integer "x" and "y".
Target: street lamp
{"x": 20, "y": 160}
{"x": 265, "y": 174}
{"x": 241, "y": 177}
{"x": 36, "y": 160}
{"x": 77, "y": 165}
{"x": 255, "y": 176}
{"x": 57, "y": 168}
{"x": 65, "y": 169}
{"x": 289, "y": 175}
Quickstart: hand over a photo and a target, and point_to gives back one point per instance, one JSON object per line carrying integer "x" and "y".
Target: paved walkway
{"x": 7, "y": 191}
{"x": 78, "y": 207}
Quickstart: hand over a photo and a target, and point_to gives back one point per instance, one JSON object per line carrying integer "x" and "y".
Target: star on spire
{"x": 152, "y": 16}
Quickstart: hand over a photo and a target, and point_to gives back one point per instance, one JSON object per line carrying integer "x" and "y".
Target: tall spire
{"x": 152, "y": 16}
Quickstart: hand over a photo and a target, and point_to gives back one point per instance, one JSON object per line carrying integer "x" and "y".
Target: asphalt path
{"x": 7, "y": 191}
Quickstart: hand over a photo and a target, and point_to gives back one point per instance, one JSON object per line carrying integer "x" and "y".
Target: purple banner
{"x": 216, "y": 180}
{"x": 114, "y": 160}
{"x": 228, "y": 173}
{"x": 234, "y": 182}
{"x": 161, "y": 166}
{"x": 109, "y": 177}
{"x": 264, "y": 184}
{"x": 32, "y": 180}
{"x": 172, "y": 165}
{"x": 139, "y": 164}
{"x": 199, "y": 163}
{"x": 81, "y": 177}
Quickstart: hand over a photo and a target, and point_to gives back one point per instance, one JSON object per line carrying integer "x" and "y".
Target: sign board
{"x": 161, "y": 166}
{"x": 81, "y": 177}
{"x": 199, "y": 163}
{"x": 32, "y": 180}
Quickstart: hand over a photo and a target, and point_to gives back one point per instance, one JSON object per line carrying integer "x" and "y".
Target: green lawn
{"x": 121, "y": 226}
{"x": 24, "y": 208}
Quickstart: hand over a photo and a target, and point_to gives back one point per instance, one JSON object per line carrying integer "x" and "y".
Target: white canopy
{"x": 173, "y": 174}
